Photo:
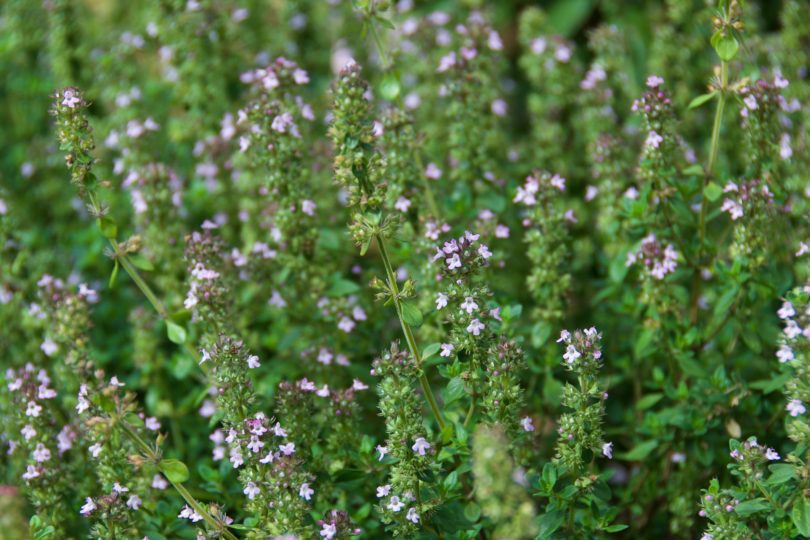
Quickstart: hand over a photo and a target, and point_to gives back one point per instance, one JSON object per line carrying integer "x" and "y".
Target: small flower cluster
{"x": 75, "y": 137}
{"x": 581, "y": 429}
{"x": 547, "y": 237}
{"x": 762, "y": 103}
{"x": 406, "y": 438}
{"x": 207, "y": 286}
{"x": 794, "y": 354}
{"x": 657, "y": 260}
{"x": 751, "y": 205}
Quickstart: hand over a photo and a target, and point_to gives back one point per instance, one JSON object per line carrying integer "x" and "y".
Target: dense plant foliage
{"x": 333, "y": 269}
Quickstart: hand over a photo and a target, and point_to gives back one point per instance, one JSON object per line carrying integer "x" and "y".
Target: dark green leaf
{"x": 411, "y": 314}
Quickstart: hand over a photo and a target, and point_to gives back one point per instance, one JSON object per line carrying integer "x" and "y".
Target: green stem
{"x": 431, "y": 200}
{"x": 409, "y": 337}
{"x": 152, "y": 455}
{"x": 708, "y": 173}
{"x": 150, "y": 295}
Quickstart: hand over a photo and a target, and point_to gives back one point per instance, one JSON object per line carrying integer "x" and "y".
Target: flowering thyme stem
{"x": 179, "y": 487}
{"x": 718, "y": 119}
{"x": 433, "y": 208}
{"x": 409, "y": 337}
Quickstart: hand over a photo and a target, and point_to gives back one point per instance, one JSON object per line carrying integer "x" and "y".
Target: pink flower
{"x": 251, "y": 490}
{"x": 653, "y": 139}
{"x": 526, "y": 424}
{"x": 654, "y": 81}
{"x": 412, "y": 516}
{"x": 432, "y": 171}
{"x": 469, "y": 305}
{"x": 383, "y": 450}
{"x": 383, "y": 491}
{"x": 402, "y": 204}
{"x": 253, "y": 361}
{"x": 134, "y": 502}
{"x": 395, "y": 505}
{"x": 441, "y": 300}
{"x": 287, "y": 449}
{"x": 447, "y": 349}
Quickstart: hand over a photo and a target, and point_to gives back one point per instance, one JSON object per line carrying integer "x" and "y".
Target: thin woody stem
{"x": 408, "y": 331}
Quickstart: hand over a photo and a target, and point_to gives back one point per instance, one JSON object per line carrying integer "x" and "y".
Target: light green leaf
{"x": 176, "y": 333}
{"x": 141, "y": 262}
{"x": 746, "y": 508}
{"x": 801, "y": 516}
{"x": 389, "y": 87}
{"x": 727, "y": 48}
{"x": 175, "y": 470}
{"x": 430, "y": 350}
{"x": 648, "y": 401}
{"x": 411, "y": 314}
{"x": 640, "y": 451}
{"x": 712, "y": 191}
{"x": 108, "y": 227}
{"x": 700, "y": 100}
{"x": 113, "y": 274}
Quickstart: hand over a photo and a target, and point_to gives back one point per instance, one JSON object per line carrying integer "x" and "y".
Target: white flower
{"x": 786, "y": 311}
{"x": 33, "y": 409}
{"x": 41, "y": 453}
{"x": 571, "y": 354}
{"x": 469, "y": 305}
{"x": 70, "y": 99}
{"x": 88, "y": 507}
{"x": 420, "y": 445}
{"x": 475, "y": 327}
{"x": 607, "y": 450}
{"x": 795, "y": 407}
{"x": 565, "y": 335}
{"x": 30, "y": 473}
{"x": 134, "y": 502}
{"x": 358, "y": 314}
{"x": 158, "y": 482}
{"x": 526, "y": 424}
{"x": 382, "y": 450}
{"x": 412, "y": 516}
{"x": 453, "y": 262}
{"x": 253, "y": 361}
{"x": 653, "y": 139}
{"x": 28, "y": 432}
{"x": 383, "y": 491}
{"x": 402, "y": 204}
{"x": 305, "y": 491}
{"x": 432, "y": 171}
{"x": 329, "y": 531}
{"x": 785, "y": 354}
{"x": 49, "y": 347}
{"x": 734, "y": 209}
{"x": 115, "y": 382}
{"x": 152, "y": 423}
{"x": 484, "y": 251}
{"x": 395, "y": 505}
{"x": 441, "y": 300}
{"x": 251, "y": 490}
{"x": 95, "y": 450}
{"x": 346, "y": 324}
{"x": 188, "y": 513}
{"x": 308, "y": 207}
{"x": 771, "y": 455}
{"x": 358, "y": 385}
{"x": 447, "y": 349}
{"x": 118, "y": 488}
{"x": 751, "y": 102}
{"x": 287, "y": 449}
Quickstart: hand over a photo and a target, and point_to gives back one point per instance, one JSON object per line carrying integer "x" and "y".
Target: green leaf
{"x": 712, "y": 191}
{"x": 616, "y": 528}
{"x": 472, "y": 511}
{"x": 648, "y": 401}
{"x": 700, "y": 100}
{"x": 694, "y": 170}
{"x": 389, "y": 87}
{"x": 640, "y": 451}
{"x": 114, "y": 274}
{"x": 141, "y": 262}
{"x": 550, "y": 522}
{"x": 175, "y": 470}
{"x": 108, "y": 227}
{"x": 430, "y": 350}
{"x": 454, "y": 390}
{"x": 746, "y": 508}
{"x": 342, "y": 287}
{"x": 176, "y": 333}
{"x": 411, "y": 314}
{"x": 727, "y": 48}
{"x": 781, "y": 473}
{"x": 44, "y": 533}
{"x": 801, "y": 516}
